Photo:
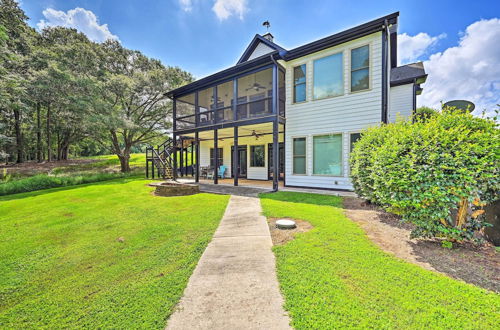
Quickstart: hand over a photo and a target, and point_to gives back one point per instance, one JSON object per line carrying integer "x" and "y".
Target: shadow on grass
{"x": 81, "y": 185}
{"x": 304, "y": 198}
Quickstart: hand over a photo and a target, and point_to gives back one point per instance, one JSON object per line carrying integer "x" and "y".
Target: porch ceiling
{"x": 264, "y": 128}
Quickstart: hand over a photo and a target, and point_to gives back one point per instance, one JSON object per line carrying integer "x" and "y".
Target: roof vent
{"x": 268, "y": 36}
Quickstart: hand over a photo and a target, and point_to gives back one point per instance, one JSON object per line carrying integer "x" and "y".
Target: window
{"x": 220, "y": 157}
{"x": 299, "y": 83}
{"x": 354, "y": 137}
{"x": 257, "y": 156}
{"x": 328, "y": 77}
{"x": 360, "y": 68}
{"x": 299, "y": 155}
{"x": 327, "y": 155}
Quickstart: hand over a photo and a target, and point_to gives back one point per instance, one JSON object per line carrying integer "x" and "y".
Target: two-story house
{"x": 293, "y": 115}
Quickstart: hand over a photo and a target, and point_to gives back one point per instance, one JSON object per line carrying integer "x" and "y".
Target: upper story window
{"x": 299, "y": 83}
{"x": 328, "y": 76}
{"x": 360, "y": 68}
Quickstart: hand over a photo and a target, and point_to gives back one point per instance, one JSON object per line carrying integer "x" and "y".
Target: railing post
{"x": 235, "y": 99}
{"x": 215, "y": 104}
{"x": 196, "y": 110}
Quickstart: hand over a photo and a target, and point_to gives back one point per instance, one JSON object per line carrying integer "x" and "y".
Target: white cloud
{"x": 226, "y": 8}
{"x": 470, "y": 70}
{"x": 411, "y": 48}
{"x": 79, "y": 18}
{"x": 186, "y": 5}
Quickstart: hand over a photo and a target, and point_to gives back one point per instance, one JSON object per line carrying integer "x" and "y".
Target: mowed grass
{"x": 334, "y": 277}
{"x": 62, "y": 264}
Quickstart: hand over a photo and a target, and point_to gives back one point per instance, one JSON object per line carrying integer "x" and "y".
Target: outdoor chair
{"x": 222, "y": 171}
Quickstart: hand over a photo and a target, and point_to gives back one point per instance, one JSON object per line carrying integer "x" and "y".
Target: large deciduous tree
{"x": 134, "y": 107}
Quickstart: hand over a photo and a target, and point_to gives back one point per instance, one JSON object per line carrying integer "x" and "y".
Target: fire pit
{"x": 172, "y": 188}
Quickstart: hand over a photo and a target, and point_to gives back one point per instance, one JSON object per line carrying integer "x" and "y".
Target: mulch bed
{"x": 478, "y": 265}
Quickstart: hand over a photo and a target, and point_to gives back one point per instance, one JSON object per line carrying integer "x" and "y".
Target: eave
{"x": 224, "y": 75}
{"x": 342, "y": 37}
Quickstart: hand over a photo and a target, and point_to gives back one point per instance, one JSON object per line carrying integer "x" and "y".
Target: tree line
{"x": 62, "y": 94}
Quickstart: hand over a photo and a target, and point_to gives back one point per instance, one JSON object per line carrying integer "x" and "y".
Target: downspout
{"x": 385, "y": 87}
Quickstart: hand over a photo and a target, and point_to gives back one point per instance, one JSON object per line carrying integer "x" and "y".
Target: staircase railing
{"x": 161, "y": 159}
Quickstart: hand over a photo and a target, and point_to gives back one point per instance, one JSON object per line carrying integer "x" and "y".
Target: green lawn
{"x": 61, "y": 265}
{"x": 334, "y": 277}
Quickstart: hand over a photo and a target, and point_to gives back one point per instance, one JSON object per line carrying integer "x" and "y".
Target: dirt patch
{"x": 281, "y": 236}
{"x": 32, "y": 167}
{"x": 476, "y": 265}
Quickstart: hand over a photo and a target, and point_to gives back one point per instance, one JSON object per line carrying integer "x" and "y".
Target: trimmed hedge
{"x": 436, "y": 171}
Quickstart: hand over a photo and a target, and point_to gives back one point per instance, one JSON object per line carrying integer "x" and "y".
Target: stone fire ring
{"x": 172, "y": 188}
{"x": 285, "y": 224}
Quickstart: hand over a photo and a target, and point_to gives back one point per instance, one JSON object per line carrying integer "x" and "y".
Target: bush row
{"x": 44, "y": 181}
{"x": 436, "y": 171}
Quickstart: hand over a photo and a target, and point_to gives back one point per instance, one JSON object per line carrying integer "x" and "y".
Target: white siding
{"x": 345, "y": 114}
{"x": 400, "y": 102}
{"x": 261, "y": 49}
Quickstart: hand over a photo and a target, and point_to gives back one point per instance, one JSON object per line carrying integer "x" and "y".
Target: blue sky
{"x": 204, "y": 36}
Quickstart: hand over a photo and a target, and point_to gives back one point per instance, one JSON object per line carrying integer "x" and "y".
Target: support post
{"x": 175, "y": 157}
{"x": 192, "y": 158}
{"x": 197, "y": 173}
{"x": 181, "y": 168}
{"x": 276, "y": 147}
{"x": 236, "y": 154}
{"x": 216, "y": 157}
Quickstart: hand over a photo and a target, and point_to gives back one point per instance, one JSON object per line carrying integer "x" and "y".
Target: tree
{"x": 17, "y": 36}
{"x": 134, "y": 108}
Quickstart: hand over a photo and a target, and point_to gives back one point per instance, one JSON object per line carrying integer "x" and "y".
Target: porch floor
{"x": 252, "y": 187}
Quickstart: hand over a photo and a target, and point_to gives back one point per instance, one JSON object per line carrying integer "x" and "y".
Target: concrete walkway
{"x": 234, "y": 285}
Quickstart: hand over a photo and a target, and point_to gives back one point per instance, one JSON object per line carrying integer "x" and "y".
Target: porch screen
{"x": 327, "y": 155}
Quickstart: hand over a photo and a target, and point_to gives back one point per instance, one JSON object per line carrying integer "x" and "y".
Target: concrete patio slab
{"x": 234, "y": 285}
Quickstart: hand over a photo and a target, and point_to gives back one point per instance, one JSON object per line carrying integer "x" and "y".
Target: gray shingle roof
{"x": 405, "y": 74}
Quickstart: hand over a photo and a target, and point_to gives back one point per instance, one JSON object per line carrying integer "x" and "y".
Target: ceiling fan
{"x": 254, "y": 133}
{"x": 255, "y": 86}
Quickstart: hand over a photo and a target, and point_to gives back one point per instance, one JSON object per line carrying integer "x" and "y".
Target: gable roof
{"x": 408, "y": 73}
{"x": 254, "y": 43}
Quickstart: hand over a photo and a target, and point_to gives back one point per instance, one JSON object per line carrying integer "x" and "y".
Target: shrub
{"x": 424, "y": 113}
{"x": 44, "y": 181}
{"x": 436, "y": 173}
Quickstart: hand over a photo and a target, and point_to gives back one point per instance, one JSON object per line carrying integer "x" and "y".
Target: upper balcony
{"x": 214, "y": 105}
